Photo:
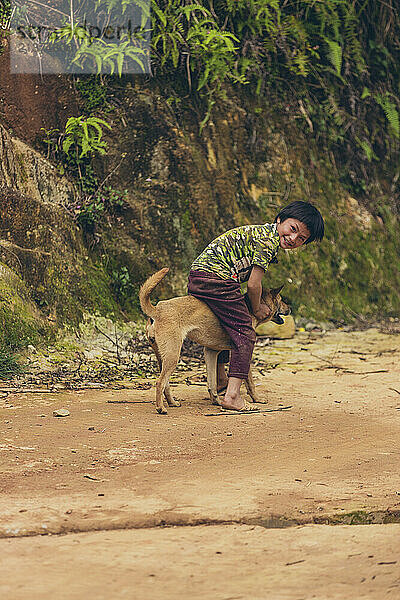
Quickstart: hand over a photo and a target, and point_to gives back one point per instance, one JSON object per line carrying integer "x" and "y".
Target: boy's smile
{"x": 292, "y": 233}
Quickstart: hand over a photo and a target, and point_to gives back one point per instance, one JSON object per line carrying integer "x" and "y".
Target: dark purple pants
{"x": 226, "y": 301}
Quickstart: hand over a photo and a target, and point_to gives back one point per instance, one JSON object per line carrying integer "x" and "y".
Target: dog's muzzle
{"x": 277, "y": 319}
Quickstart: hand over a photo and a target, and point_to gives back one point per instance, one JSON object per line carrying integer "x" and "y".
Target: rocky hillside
{"x": 63, "y": 256}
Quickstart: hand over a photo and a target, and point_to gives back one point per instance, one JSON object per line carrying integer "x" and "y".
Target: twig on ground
{"x": 330, "y": 363}
{"x": 356, "y": 315}
{"x": 363, "y": 372}
{"x": 247, "y": 412}
{"x": 22, "y": 390}
{"x": 130, "y": 402}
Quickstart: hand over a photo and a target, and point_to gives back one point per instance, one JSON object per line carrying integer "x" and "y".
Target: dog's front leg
{"x": 211, "y": 358}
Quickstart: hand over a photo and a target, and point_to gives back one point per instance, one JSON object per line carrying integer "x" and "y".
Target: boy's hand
{"x": 262, "y": 313}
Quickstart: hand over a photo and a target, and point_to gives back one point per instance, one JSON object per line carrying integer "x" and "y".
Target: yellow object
{"x": 279, "y": 332}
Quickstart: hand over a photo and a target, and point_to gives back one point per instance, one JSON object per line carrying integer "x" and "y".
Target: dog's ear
{"x": 276, "y": 291}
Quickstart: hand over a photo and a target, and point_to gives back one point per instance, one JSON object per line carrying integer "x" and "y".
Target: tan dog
{"x": 185, "y": 316}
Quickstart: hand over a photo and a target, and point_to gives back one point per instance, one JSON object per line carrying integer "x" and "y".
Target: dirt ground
{"x": 116, "y": 501}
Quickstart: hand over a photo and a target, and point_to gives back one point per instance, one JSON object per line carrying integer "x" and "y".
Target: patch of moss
{"x": 20, "y": 323}
{"x": 362, "y": 517}
{"x": 93, "y": 93}
{"x": 9, "y": 367}
{"x": 86, "y": 289}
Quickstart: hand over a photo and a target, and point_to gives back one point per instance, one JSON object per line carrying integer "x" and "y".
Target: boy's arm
{"x": 254, "y": 290}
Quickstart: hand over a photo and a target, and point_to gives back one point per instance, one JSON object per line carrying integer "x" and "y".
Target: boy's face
{"x": 292, "y": 233}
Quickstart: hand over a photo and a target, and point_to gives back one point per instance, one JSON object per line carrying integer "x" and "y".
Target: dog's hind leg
{"x": 156, "y": 352}
{"x": 211, "y": 358}
{"x": 167, "y": 392}
{"x": 169, "y": 359}
{"x": 169, "y": 397}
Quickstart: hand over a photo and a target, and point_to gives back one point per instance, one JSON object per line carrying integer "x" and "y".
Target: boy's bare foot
{"x": 233, "y": 399}
{"x": 242, "y": 406}
{"x": 233, "y": 402}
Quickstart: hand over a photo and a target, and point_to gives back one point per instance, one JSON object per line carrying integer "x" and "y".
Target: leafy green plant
{"x": 74, "y": 148}
{"x": 335, "y": 55}
{"x": 366, "y": 146}
{"x": 70, "y": 33}
{"x": 210, "y": 52}
{"x": 90, "y": 214}
{"x": 51, "y": 138}
{"x": 87, "y": 51}
{"x": 83, "y": 135}
{"x": 391, "y": 112}
{"x": 115, "y": 199}
{"x": 110, "y": 57}
{"x": 121, "y": 283}
{"x": 143, "y": 5}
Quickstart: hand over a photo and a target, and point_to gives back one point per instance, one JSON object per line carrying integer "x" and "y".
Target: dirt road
{"x": 260, "y": 492}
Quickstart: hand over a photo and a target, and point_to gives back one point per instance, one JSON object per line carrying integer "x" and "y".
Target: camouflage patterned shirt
{"x": 233, "y": 254}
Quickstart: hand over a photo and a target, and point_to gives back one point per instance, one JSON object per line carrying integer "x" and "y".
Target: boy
{"x": 244, "y": 254}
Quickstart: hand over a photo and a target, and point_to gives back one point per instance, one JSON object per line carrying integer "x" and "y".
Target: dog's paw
{"x": 214, "y": 398}
{"x": 255, "y": 398}
{"x": 161, "y": 410}
{"x": 259, "y": 400}
{"x": 174, "y": 402}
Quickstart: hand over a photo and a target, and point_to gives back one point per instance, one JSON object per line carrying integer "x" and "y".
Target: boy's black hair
{"x": 307, "y": 214}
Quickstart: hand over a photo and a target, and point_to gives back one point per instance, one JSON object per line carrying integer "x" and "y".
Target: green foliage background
{"x": 334, "y": 62}
{"x": 335, "y": 59}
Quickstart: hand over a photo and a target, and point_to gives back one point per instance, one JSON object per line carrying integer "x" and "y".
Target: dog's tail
{"x": 144, "y": 294}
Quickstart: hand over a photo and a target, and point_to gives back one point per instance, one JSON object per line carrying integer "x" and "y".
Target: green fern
{"x": 391, "y": 112}
{"x": 335, "y": 55}
{"x": 84, "y": 135}
{"x": 110, "y": 56}
{"x": 335, "y": 112}
{"x": 366, "y": 147}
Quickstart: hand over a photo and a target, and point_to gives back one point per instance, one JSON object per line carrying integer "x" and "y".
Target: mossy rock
{"x": 45, "y": 246}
